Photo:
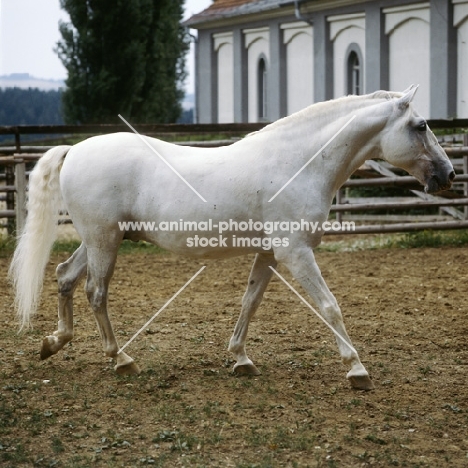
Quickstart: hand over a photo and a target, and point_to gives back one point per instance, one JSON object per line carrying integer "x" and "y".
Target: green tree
{"x": 123, "y": 57}
{"x": 30, "y": 106}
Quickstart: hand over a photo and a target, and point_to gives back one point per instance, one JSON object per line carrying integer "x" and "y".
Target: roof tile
{"x": 227, "y": 4}
{"x": 229, "y": 8}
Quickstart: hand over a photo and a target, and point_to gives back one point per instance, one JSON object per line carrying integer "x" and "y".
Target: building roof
{"x": 221, "y": 9}
{"x": 224, "y": 12}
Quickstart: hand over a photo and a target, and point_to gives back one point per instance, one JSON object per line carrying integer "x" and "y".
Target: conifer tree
{"x": 123, "y": 57}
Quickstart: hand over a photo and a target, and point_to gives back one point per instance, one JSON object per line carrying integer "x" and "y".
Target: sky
{"x": 29, "y": 33}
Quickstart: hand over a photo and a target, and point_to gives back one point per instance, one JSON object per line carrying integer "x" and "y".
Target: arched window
{"x": 354, "y": 73}
{"x": 262, "y": 90}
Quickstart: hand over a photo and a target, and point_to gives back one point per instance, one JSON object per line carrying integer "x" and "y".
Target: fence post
{"x": 339, "y": 194}
{"x": 20, "y": 185}
{"x": 17, "y": 140}
{"x": 10, "y": 196}
{"x": 465, "y": 184}
{"x": 465, "y": 171}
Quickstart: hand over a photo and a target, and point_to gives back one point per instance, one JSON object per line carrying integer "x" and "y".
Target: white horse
{"x": 109, "y": 179}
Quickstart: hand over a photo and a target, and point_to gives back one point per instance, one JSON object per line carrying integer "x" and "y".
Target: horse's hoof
{"x": 127, "y": 369}
{"x": 45, "y": 349}
{"x": 361, "y": 382}
{"x": 246, "y": 369}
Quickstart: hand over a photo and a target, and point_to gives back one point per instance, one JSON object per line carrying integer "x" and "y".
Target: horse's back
{"x": 118, "y": 177}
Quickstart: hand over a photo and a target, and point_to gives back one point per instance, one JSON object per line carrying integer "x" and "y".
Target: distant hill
{"x": 25, "y": 81}
{"x": 188, "y": 102}
{"x": 27, "y": 100}
{"x": 30, "y": 106}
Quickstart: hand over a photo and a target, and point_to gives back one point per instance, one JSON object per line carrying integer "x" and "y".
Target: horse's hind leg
{"x": 259, "y": 278}
{"x": 69, "y": 274}
{"x": 101, "y": 262}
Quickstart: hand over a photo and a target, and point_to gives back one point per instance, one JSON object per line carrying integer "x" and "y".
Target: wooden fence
{"x": 17, "y": 159}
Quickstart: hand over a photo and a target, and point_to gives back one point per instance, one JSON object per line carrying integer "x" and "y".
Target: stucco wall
{"x": 460, "y": 19}
{"x": 257, "y": 44}
{"x": 299, "y": 41}
{"x": 346, "y": 30}
{"x": 424, "y": 43}
{"x": 225, "y": 76}
{"x": 409, "y": 60}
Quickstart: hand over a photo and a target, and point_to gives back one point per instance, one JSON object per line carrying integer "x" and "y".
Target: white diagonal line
{"x": 312, "y": 158}
{"x": 161, "y": 309}
{"x": 313, "y": 310}
{"x": 162, "y": 159}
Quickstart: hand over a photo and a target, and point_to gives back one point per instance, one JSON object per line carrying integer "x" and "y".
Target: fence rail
{"x": 14, "y": 161}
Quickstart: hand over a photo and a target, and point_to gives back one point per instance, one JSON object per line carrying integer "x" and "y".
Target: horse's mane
{"x": 330, "y": 108}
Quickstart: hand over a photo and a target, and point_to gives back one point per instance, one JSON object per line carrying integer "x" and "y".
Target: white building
{"x": 262, "y": 60}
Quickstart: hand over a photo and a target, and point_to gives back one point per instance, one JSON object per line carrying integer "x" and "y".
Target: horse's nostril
{"x": 452, "y": 176}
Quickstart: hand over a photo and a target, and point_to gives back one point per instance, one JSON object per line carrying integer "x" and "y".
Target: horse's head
{"x": 407, "y": 142}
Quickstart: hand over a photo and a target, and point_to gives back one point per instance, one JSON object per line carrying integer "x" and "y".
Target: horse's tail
{"x": 27, "y": 267}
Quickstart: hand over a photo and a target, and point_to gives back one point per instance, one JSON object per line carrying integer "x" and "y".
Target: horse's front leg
{"x": 259, "y": 278}
{"x": 301, "y": 263}
{"x": 69, "y": 274}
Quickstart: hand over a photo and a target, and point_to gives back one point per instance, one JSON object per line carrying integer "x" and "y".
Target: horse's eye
{"x": 422, "y": 127}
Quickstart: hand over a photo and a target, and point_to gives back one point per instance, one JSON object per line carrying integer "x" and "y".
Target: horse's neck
{"x": 309, "y": 130}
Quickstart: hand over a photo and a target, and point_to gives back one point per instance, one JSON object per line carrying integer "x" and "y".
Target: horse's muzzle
{"x": 438, "y": 182}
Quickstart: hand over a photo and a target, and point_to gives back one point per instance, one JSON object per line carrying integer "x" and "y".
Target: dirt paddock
{"x": 404, "y": 309}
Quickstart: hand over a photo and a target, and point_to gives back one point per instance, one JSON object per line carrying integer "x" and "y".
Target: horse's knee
{"x": 96, "y": 295}
{"x": 63, "y": 285}
{"x": 61, "y": 269}
{"x": 332, "y": 314}
{"x": 66, "y": 279}
{"x": 97, "y": 299}
{"x": 65, "y": 288}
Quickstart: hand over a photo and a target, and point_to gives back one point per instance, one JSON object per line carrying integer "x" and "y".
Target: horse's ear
{"x": 407, "y": 97}
{"x": 407, "y": 90}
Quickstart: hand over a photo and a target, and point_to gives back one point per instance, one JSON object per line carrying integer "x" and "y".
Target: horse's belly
{"x": 199, "y": 244}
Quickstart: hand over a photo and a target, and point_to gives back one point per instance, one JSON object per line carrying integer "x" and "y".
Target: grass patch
{"x": 7, "y": 247}
{"x": 126, "y": 247}
{"x": 16, "y": 456}
{"x": 57, "y": 445}
{"x": 129, "y": 247}
{"x": 412, "y": 240}
{"x": 65, "y": 246}
{"x": 409, "y": 240}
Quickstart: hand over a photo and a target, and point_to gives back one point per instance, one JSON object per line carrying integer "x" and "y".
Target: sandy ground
{"x": 405, "y": 311}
